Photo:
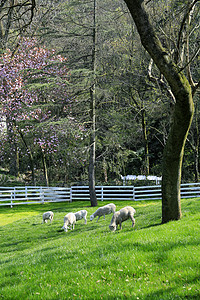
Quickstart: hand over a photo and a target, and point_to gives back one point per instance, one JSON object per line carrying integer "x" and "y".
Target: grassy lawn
{"x": 149, "y": 261}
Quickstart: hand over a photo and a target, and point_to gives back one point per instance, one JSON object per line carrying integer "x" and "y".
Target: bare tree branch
{"x": 160, "y": 81}
{"x": 182, "y": 28}
{"x": 195, "y": 88}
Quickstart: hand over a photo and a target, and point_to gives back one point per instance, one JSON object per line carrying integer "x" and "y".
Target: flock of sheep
{"x": 117, "y": 218}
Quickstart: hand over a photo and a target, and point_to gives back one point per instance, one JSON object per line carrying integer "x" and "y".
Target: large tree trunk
{"x": 182, "y": 115}
{"x": 173, "y": 155}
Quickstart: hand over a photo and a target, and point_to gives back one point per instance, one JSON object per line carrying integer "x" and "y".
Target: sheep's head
{"x": 113, "y": 223}
{"x": 91, "y": 217}
{"x": 112, "y": 227}
{"x": 65, "y": 227}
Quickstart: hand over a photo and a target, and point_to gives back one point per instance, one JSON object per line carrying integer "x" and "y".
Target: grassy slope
{"x": 151, "y": 261}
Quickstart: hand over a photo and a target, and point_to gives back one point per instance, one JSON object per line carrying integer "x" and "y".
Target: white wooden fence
{"x": 32, "y": 195}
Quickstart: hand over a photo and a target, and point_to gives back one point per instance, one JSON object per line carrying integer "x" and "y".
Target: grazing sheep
{"x": 121, "y": 216}
{"x": 102, "y": 211}
{"x": 81, "y": 214}
{"x": 69, "y": 219}
{"x": 47, "y": 216}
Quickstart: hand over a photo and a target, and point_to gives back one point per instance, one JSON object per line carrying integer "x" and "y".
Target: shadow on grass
{"x": 164, "y": 294}
{"x": 151, "y": 225}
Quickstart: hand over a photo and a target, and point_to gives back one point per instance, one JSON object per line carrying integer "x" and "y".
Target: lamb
{"x": 47, "y": 216}
{"x": 121, "y": 216}
{"x": 81, "y": 214}
{"x": 102, "y": 211}
{"x": 69, "y": 219}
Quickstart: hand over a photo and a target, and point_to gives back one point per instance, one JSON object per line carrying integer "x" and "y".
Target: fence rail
{"x": 32, "y": 195}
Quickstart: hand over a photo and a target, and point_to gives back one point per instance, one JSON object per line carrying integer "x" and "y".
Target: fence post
{"x": 14, "y": 194}
{"x": 71, "y": 194}
{"x": 102, "y": 193}
{"x": 11, "y": 197}
{"x": 133, "y": 193}
{"x": 26, "y": 196}
{"x": 42, "y": 195}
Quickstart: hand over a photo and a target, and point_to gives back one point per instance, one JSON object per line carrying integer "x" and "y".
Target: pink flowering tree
{"x": 34, "y": 100}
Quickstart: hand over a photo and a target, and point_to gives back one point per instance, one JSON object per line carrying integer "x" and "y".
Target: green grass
{"x": 150, "y": 261}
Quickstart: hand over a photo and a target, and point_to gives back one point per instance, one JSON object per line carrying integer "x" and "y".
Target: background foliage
{"x": 132, "y": 110}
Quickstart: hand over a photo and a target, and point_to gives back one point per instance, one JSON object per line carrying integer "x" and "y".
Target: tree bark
{"x": 45, "y": 168}
{"x": 194, "y": 144}
{"x": 13, "y": 168}
{"x": 30, "y": 155}
{"x": 92, "y": 159}
{"x": 146, "y": 144}
{"x": 93, "y": 198}
{"x": 182, "y": 115}
{"x": 196, "y": 149}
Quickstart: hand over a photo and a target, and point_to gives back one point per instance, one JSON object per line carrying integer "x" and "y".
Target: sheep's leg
{"x": 104, "y": 217}
{"x": 120, "y": 225}
{"x": 98, "y": 219}
{"x": 133, "y": 221}
{"x": 85, "y": 220}
{"x": 73, "y": 226}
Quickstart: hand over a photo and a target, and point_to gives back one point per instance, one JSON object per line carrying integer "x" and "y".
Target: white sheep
{"x": 47, "y": 216}
{"x": 81, "y": 214}
{"x": 69, "y": 219}
{"x": 102, "y": 211}
{"x": 121, "y": 216}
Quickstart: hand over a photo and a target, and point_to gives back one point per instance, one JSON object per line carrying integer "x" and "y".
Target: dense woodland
{"x": 74, "y": 75}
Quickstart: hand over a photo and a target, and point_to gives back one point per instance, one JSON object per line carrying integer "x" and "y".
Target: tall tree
{"x": 92, "y": 160}
{"x": 80, "y": 42}
{"x": 183, "y": 109}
